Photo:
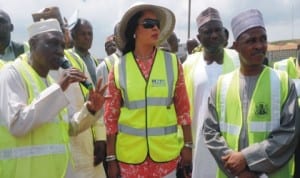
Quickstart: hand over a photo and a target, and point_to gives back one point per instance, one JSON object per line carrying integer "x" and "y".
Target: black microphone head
{"x": 64, "y": 63}
{"x": 87, "y": 84}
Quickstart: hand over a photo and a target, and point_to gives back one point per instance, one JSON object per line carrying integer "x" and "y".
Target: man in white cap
{"x": 201, "y": 71}
{"x": 83, "y": 146}
{"x": 35, "y": 124}
{"x": 250, "y": 124}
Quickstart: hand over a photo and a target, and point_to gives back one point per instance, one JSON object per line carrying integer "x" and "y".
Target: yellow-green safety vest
{"x": 110, "y": 60}
{"x": 288, "y": 65}
{"x": 147, "y": 123}
{"x": 1, "y": 64}
{"x": 43, "y": 149}
{"x": 297, "y": 85}
{"x": 79, "y": 64}
{"x": 264, "y": 110}
{"x": 231, "y": 61}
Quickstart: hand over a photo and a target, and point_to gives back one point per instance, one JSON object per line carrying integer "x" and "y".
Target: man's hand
{"x": 99, "y": 152}
{"x": 96, "y": 98}
{"x": 186, "y": 161}
{"x": 247, "y": 174}
{"x": 69, "y": 76}
{"x": 235, "y": 162}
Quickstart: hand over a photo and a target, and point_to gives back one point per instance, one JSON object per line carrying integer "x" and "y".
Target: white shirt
{"x": 204, "y": 77}
{"x": 21, "y": 118}
{"x": 82, "y": 147}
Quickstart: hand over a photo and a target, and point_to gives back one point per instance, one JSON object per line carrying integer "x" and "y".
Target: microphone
{"x": 66, "y": 65}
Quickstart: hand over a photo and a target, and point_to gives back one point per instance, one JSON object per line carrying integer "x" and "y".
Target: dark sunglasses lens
{"x": 151, "y": 23}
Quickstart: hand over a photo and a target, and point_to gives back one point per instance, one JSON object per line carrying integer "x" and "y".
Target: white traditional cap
{"x": 209, "y": 14}
{"x": 43, "y": 26}
{"x": 245, "y": 21}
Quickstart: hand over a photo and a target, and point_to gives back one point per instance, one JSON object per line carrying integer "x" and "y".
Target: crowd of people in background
{"x": 144, "y": 110}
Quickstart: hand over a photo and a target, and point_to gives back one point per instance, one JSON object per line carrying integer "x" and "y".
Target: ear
{"x": 235, "y": 46}
{"x": 198, "y": 37}
{"x": 32, "y": 43}
{"x": 11, "y": 27}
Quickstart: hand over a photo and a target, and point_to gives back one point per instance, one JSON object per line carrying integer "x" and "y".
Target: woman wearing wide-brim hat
{"x": 149, "y": 100}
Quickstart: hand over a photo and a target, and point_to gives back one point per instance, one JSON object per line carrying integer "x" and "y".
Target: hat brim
{"x": 166, "y": 17}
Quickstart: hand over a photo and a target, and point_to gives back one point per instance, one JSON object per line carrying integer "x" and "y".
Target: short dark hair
{"x": 79, "y": 22}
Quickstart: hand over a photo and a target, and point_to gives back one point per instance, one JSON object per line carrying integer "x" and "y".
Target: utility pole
{"x": 189, "y": 19}
{"x": 292, "y": 19}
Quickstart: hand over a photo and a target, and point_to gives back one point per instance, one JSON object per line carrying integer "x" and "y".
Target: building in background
{"x": 282, "y": 49}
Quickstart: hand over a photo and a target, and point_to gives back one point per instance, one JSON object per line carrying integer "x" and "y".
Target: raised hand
{"x": 70, "y": 75}
{"x": 96, "y": 98}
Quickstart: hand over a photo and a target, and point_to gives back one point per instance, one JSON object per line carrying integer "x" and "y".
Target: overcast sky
{"x": 280, "y": 16}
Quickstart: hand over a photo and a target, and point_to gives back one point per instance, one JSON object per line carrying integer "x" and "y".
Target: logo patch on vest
{"x": 158, "y": 83}
{"x": 261, "y": 109}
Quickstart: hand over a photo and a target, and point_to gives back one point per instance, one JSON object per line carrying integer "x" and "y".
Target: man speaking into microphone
{"x": 88, "y": 147}
{"x": 36, "y": 115}
{"x": 64, "y": 63}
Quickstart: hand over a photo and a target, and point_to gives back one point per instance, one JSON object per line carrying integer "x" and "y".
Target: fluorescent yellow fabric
{"x": 190, "y": 66}
{"x": 259, "y": 114}
{"x": 160, "y": 148}
{"x": 45, "y": 148}
{"x": 1, "y": 63}
{"x": 288, "y": 65}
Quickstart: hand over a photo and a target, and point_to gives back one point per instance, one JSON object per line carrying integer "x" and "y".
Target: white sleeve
{"x": 20, "y": 117}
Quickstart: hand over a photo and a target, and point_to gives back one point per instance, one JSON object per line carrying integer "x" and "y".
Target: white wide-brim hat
{"x": 166, "y": 17}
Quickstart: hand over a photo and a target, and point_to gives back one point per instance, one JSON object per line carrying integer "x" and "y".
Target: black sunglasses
{"x": 150, "y": 23}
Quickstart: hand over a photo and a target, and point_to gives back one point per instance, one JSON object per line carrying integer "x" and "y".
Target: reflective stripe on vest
{"x": 288, "y": 65}
{"x": 77, "y": 63}
{"x": 110, "y": 61}
{"x": 45, "y": 146}
{"x": 297, "y": 85}
{"x": 261, "y": 126}
{"x": 150, "y": 101}
{"x": 30, "y": 83}
{"x": 263, "y": 113}
{"x": 74, "y": 59}
{"x": 29, "y": 151}
{"x": 191, "y": 65}
{"x": 149, "y": 131}
{"x": 152, "y": 119}
{"x": 282, "y": 65}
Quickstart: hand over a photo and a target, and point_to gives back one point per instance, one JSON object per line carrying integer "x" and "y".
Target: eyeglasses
{"x": 150, "y": 23}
